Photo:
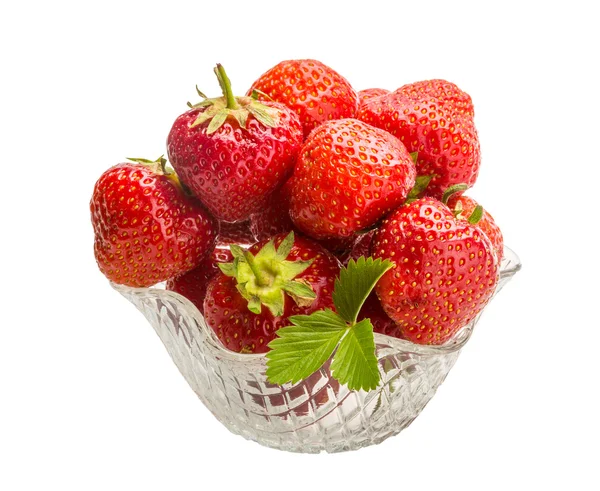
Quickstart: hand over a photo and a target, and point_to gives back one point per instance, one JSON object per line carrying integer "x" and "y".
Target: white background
{"x": 90, "y": 398}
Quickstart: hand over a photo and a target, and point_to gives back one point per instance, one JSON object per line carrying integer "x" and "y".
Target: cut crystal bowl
{"x": 316, "y": 414}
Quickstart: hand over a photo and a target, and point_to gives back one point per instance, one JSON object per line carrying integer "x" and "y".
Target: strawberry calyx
{"x": 157, "y": 166}
{"x": 477, "y": 213}
{"x": 418, "y": 190}
{"x": 265, "y": 278}
{"x": 452, "y": 190}
{"x": 474, "y": 218}
{"x": 218, "y": 109}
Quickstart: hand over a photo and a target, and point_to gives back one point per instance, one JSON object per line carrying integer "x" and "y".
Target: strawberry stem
{"x": 456, "y": 188}
{"x": 225, "y": 84}
{"x": 263, "y": 278}
{"x": 158, "y": 166}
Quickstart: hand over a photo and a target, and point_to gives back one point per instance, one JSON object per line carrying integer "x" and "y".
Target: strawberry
{"x": 194, "y": 283}
{"x": 360, "y": 247}
{"x": 256, "y": 294}
{"x": 348, "y": 176}
{"x": 381, "y": 322}
{"x": 233, "y": 152}
{"x": 146, "y": 228}
{"x": 236, "y": 233}
{"x": 274, "y": 217}
{"x": 443, "y": 92}
{"x": 445, "y": 271}
{"x": 371, "y": 309}
{"x": 468, "y": 209}
{"x": 438, "y": 127}
{"x": 367, "y": 94}
{"x": 314, "y": 91}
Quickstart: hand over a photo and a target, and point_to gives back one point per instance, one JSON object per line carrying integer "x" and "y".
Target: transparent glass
{"x": 316, "y": 414}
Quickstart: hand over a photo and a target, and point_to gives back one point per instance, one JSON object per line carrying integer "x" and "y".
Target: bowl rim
{"x": 510, "y": 265}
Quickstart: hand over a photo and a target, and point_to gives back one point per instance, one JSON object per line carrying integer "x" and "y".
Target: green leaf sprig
{"x": 302, "y": 348}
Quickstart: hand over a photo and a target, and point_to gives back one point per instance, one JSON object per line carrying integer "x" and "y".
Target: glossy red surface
{"x": 146, "y": 229}
{"x": 445, "y": 271}
{"x": 226, "y": 311}
{"x": 441, "y": 131}
{"x": 348, "y": 176}
{"x": 314, "y": 91}
{"x": 233, "y": 170}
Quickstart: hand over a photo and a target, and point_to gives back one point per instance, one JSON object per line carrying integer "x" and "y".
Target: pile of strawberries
{"x": 372, "y": 173}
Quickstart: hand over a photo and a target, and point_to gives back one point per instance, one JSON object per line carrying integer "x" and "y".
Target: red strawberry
{"x": 443, "y": 92}
{"x": 146, "y": 228}
{"x": 194, "y": 283}
{"x": 274, "y": 217}
{"x": 348, "y": 176}
{"x": 360, "y": 247}
{"x": 233, "y": 152}
{"x": 445, "y": 271}
{"x": 371, "y": 309}
{"x": 367, "y": 94}
{"x": 239, "y": 233}
{"x": 314, "y": 91}
{"x": 441, "y": 131}
{"x": 381, "y": 322}
{"x": 263, "y": 287}
{"x": 468, "y": 209}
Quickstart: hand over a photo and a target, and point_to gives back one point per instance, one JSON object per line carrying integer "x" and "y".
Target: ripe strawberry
{"x": 194, "y": 283}
{"x": 348, "y": 176}
{"x": 146, "y": 228}
{"x": 233, "y": 152}
{"x": 314, "y": 91}
{"x": 440, "y": 130}
{"x": 442, "y": 92}
{"x": 445, "y": 271}
{"x": 257, "y": 293}
{"x": 381, "y": 322}
{"x": 371, "y": 309}
{"x": 360, "y": 247}
{"x": 367, "y": 94}
{"x": 238, "y": 233}
{"x": 274, "y": 217}
{"x": 468, "y": 209}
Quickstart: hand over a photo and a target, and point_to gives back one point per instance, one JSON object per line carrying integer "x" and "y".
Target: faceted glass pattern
{"x": 316, "y": 414}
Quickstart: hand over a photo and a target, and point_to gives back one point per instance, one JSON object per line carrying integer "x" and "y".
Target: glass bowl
{"x": 316, "y": 414}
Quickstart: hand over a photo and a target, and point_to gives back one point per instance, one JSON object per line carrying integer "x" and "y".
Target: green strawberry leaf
{"x": 301, "y": 349}
{"x": 355, "y": 284}
{"x": 355, "y": 363}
